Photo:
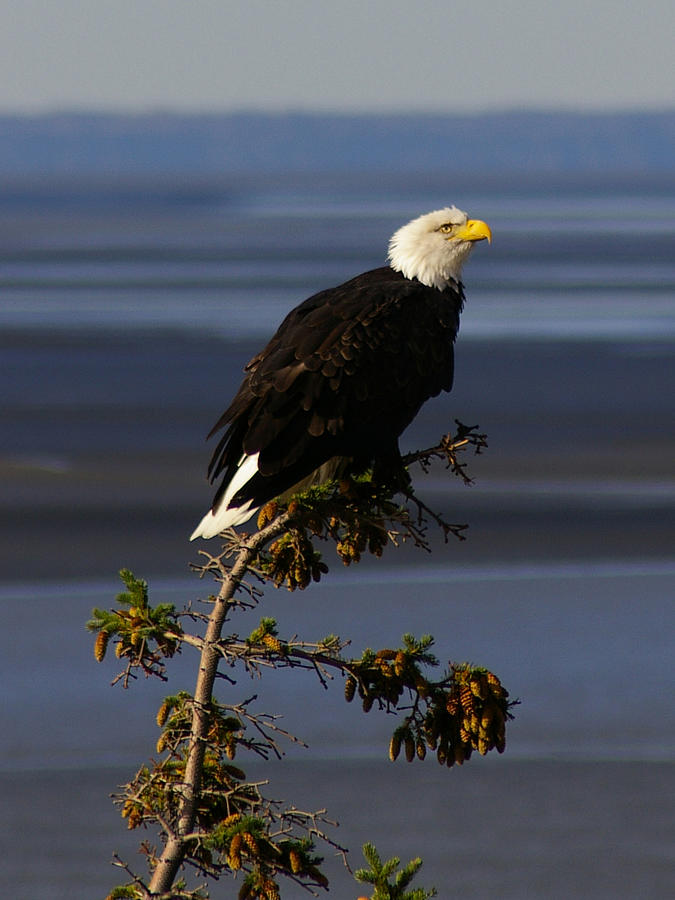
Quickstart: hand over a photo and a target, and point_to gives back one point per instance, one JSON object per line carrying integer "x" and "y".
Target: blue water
{"x": 111, "y": 293}
{"x": 586, "y": 646}
{"x": 583, "y": 259}
{"x": 127, "y": 310}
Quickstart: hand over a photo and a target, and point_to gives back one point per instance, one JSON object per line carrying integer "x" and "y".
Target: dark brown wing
{"x": 345, "y": 373}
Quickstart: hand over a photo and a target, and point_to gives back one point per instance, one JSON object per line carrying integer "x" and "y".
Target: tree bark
{"x": 174, "y": 851}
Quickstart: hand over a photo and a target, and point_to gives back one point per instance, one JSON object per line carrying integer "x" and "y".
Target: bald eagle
{"x": 346, "y": 372}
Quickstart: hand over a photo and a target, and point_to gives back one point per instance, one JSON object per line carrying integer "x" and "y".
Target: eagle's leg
{"x": 389, "y": 472}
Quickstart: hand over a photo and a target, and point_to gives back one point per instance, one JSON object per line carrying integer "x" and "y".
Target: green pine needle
{"x": 379, "y": 874}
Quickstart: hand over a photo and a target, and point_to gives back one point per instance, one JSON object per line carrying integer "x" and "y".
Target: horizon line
{"x": 160, "y": 110}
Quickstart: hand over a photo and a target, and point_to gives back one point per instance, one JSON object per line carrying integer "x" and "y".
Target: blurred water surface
{"x": 128, "y": 310}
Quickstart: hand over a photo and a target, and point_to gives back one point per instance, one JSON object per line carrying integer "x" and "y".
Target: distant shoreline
{"x": 526, "y": 141}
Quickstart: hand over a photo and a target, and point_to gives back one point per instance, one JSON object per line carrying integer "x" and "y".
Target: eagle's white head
{"x": 433, "y": 247}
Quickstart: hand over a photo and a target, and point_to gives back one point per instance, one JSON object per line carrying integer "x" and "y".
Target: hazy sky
{"x": 381, "y": 55}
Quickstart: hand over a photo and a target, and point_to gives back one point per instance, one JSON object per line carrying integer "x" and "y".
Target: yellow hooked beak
{"x": 474, "y": 230}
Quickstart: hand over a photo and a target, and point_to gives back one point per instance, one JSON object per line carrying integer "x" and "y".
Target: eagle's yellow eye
{"x": 446, "y": 229}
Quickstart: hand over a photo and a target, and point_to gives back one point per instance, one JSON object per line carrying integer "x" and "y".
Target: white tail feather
{"x": 224, "y": 516}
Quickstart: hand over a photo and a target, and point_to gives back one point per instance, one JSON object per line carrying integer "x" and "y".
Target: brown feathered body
{"x": 345, "y": 374}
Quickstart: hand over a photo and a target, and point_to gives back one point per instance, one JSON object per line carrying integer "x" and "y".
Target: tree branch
{"x": 173, "y": 854}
